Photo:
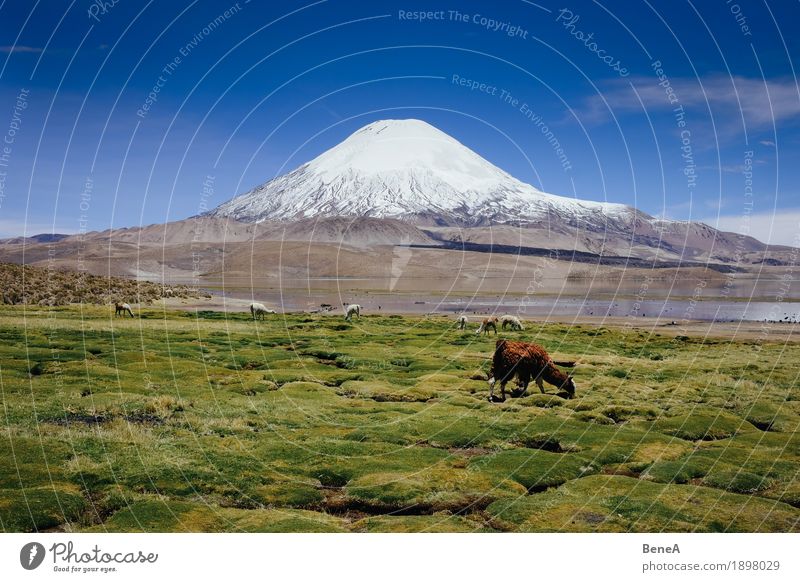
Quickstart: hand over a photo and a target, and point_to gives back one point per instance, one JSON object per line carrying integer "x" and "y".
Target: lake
{"x": 734, "y": 299}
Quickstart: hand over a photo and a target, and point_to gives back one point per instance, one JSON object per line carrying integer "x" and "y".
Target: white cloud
{"x": 18, "y": 48}
{"x": 779, "y": 228}
{"x": 760, "y": 102}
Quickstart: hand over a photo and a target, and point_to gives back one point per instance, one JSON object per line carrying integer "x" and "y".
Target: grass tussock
{"x": 211, "y": 422}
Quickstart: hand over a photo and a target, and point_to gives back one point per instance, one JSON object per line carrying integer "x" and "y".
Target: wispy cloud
{"x": 19, "y": 48}
{"x": 778, "y": 228}
{"x": 758, "y": 102}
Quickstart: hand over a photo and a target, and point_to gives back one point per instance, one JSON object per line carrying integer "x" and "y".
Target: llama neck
{"x": 554, "y": 376}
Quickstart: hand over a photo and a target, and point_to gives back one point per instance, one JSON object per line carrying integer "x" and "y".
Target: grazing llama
{"x": 259, "y": 310}
{"x": 511, "y": 320}
{"x": 489, "y": 322}
{"x": 525, "y": 361}
{"x": 121, "y": 308}
{"x": 351, "y": 310}
{"x": 462, "y": 322}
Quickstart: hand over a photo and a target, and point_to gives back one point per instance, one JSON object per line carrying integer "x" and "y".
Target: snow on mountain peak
{"x": 408, "y": 169}
{"x": 405, "y": 146}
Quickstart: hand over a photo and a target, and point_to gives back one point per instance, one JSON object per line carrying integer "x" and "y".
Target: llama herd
{"x": 490, "y": 323}
{"x": 512, "y": 359}
{"x": 521, "y": 360}
{"x": 259, "y": 310}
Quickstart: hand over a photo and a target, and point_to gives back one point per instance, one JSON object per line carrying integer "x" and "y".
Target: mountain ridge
{"x": 406, "y": 183}
{"x": 412, "y": 171}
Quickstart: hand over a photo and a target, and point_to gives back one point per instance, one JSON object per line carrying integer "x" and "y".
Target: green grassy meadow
{"x": 204, "y": 421}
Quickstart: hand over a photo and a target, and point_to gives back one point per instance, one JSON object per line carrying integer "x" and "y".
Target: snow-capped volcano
{"x": 399, "y": 184}
{"x": 410, "y": 170}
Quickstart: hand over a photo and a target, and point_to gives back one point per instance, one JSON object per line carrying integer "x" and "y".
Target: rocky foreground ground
{"x": 27, "y": 285}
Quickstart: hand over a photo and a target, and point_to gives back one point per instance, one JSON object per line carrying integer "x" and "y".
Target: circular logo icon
{"x": 31, "y": 555}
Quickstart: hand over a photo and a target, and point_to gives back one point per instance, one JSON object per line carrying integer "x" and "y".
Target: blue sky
{"x": 247, "y": 95}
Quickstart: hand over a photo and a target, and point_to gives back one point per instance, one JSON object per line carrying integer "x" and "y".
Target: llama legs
{"x": 492, "y": 397}
{"x": 523, "y": 380}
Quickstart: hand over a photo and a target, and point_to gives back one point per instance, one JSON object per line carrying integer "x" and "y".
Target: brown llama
{"x": 489, "y": 322}
{"x": 525, "y": 361}
{"x": 121, "y": 308}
